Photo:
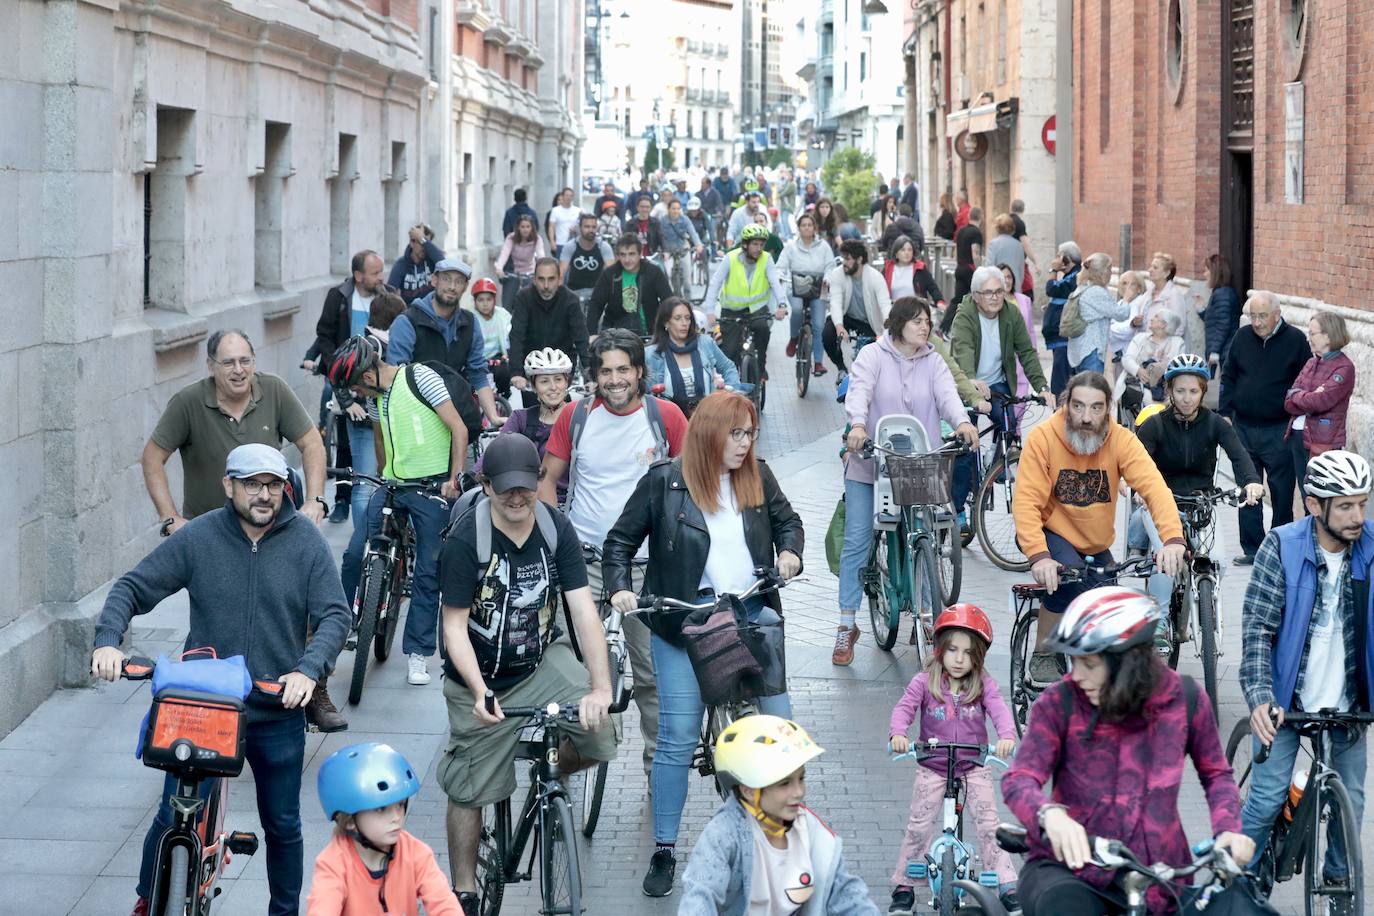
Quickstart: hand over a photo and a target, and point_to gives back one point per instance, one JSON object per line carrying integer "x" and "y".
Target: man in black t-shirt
{"x": 968, "y": 251}
{"x": 499, "y": 628}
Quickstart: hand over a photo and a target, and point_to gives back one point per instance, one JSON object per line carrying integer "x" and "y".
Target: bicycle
{"x": 948, "y": 859}
{"x": 858, "y": 341}
{"x": 748, "y": 360}
{"x": 736, "y": 700}
{"x": 676, "y": 265}
{"x": 805, "y": 287}
{"x": 387, "y": 566}
{"x": 1297, "y": 842}
{"x": 994, "y": 483}
{"x": 546, "y": 816}
{"x": 199, "y": 739}
{"x": 905, "y": 570}
{"x": 1028, "y": 597}
{"x": 701, "y": 275}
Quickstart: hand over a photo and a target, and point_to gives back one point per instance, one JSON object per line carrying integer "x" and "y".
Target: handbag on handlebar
{"x": 804, "y": 286}
{"x": 735, "y": 658}
{"x": 197, "y": 716}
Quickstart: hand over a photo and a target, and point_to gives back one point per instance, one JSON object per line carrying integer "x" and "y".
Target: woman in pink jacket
{"x": 1320, "y": 395}
{"x": 900, "y": 373}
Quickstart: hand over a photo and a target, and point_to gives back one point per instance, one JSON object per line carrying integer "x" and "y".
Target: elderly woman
{"x": 1320, "y": 395}
{"x": 1006, "y": 248}
{"x": 1133, "y": 289}
{"x": 901, "y": 373}
{"x": 1221, "y": 314}
{"x": 1150, "y": 351}
{"x": 688, "y": 365}
{"x": 1098, "y": 308}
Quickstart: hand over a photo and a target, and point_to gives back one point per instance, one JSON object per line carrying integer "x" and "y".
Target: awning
{"x": 981, "y": 119}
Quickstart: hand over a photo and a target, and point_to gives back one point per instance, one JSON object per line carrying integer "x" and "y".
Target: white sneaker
{"x": 417, "y": 669}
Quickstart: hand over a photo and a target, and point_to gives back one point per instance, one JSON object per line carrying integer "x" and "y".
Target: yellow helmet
{"x": 1147, "y": 413}
{"x": 757, "y": 751}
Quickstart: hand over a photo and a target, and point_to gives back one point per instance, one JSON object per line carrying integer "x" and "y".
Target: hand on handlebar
{"x": 858, "y": 435}
{"x": 1067, "y": 838}
{"x": 899, "y": 744}
{"x": 106, "y": 663}
{"x": 625, "y": 601}
{"x": 983, "y": 388}
{"x": 1253, "y": 494}
{"x": 1004, "y": 748}
{"x": 1240, "y": 846}
{"x": 1265, "y": 722}
{"x": 592, "y": 709}
{"x": 487, "y": 710}
{"x": 1170, "y": 559}
{"x": 297, "y": 689}
{"x": 357, "y": 411}
{"x": 1046, "y": 573}
{"x": 789, "y": 564}
{"x": 968, "y": 432}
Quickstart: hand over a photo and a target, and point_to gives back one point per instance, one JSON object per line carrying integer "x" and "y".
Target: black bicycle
{"x": 997, "y": 464}
{"x": 1320, "y": 819}
{"x": 807, "y": 288}
{"x": 387, "y": 566}
{"x": 546, "y": 817}
{"x": 748, "y": 360}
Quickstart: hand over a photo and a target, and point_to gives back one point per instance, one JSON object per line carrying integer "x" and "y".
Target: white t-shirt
{"x": 990, "y": 352}
{"x": 1323, "y": 685}
{"x": 563, "y": 223}
{"x": 729, "y": 566}
{"x": 360, "y": 308}
{"x": 903, "y": 281}
{"x": 783, "y": 879}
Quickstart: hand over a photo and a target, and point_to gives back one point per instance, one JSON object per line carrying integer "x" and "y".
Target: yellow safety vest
{"x": 740, "y": 293}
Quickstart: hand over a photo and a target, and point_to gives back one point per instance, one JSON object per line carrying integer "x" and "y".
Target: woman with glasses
{"x": 711, "y": 516}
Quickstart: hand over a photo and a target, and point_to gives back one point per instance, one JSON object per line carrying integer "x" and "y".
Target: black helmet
{"x": 350, "y": 361}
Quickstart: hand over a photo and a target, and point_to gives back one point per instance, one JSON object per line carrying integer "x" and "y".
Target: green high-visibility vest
{"x": 741, "y": 293}
{"x": 417, "y": 440}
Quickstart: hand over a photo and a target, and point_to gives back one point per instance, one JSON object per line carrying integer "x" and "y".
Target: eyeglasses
{"x": 243, "y": 362}
{"x": 449, "y": 278}
{"x": 742, "y": 435}
{"x": 990, "y": 293}
{"x": 254, "y": 487}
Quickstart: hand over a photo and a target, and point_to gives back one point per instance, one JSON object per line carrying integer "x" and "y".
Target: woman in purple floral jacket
{"x": 1112, "y": 737}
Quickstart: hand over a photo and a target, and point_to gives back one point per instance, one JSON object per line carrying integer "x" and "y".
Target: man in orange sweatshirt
{"x": 1065, "y": 500}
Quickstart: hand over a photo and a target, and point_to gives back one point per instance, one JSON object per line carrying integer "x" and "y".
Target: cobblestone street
{"x": 74, "y": 803}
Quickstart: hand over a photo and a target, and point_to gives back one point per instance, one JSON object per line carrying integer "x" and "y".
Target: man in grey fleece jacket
{"x": 258, "y": 574}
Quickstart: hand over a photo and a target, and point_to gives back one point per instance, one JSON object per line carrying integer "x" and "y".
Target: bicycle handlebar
{"x": 427, "y": 488}
{"x": 924, "y": 750}
{"x": 1211, "y": 497}
{"x": 1011, "y": 400}
{"x": 139, "y": 668}
{"x": 1323, "y": 718}
{"x": 551, "y": 711}
{"x": 950, "y": 445}
{"x": 769, "y": 579}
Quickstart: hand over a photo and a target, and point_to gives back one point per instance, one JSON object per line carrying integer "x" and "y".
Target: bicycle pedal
{"x": 917, "y": 871}
{"x": 242, "y": 842}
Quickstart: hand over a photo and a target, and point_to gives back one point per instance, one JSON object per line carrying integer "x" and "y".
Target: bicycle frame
{"x": 544, "y": 785}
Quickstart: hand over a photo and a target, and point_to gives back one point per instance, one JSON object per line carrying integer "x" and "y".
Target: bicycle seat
{"x": 1012, "y": 838}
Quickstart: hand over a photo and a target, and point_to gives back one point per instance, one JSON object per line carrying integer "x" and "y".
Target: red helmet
{"x": 967, "y": 617}
{"x": 484, "y": 285}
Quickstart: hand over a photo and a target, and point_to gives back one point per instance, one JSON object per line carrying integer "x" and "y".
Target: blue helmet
{"x": 1187, "y": 364}
{"x": 361, "y": 777}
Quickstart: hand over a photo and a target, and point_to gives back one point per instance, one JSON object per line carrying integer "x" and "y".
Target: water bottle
{"x": 1295, "y": 789}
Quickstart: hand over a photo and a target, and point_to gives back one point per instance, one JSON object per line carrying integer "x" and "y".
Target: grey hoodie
{"x": 252, "y": 600}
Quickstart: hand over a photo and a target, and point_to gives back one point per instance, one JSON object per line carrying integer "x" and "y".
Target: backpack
{"x": 1189, "y": 697}
{"x": 458, "y": 390}
{"x": 578, "y": 422}
{"x": 475, "y": 500}
{"x": 1071, "y": 323}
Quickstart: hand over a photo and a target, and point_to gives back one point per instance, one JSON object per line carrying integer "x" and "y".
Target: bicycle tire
{"x": 883, "y": 612}
{"x": 995, "y": 526}
{"x": 803, "y": 360}
{"x": 374, "y": 577}
{"x": 946, "y": 904}
{"x": 718, "y": 719}
{"x": 1180, "y": 611}
{"x": 386, "y": 631}
{"x": 749, "y": 375}
{"x": 593, "y": 792}
{"x": 491, "y": 863}
{"x": 1337, "y": 814}
{"x": 925, "y": 569}
{"x": 560, "y": 880}
{"x": 1207, "y": 639}
{"x": 1239, "y": 755}
{"x": 1017, "y": 682}
{"x": 950, "y": 548}
{"x": 179, "y": 865}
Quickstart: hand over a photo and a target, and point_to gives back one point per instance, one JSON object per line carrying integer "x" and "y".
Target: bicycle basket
{"x": 735, "y": 659}
{"x": 196, "y": 722}
{"x": 804, "y": 286}
{"x": 920, "y": 480}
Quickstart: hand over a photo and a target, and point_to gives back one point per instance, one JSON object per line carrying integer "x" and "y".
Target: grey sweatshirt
{"x": 257, "y": 601}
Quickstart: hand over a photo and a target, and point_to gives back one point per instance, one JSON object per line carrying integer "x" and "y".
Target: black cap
{"x": 511, "y": 461}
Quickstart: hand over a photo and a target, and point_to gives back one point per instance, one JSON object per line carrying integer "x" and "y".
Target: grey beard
{"x": 1084, "y": 443}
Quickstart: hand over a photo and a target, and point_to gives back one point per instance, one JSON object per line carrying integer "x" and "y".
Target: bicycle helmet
{"x": 694, "y": 203}
{"x": 1110, "y": 618}
{"x": 757, "y": 751}
{"x": 1336, "y": 473}
{"x": 967, "y": 617}
{"x": 751, "y": 186}
{"x": 753, "y": 231}
{"x": 548, "y": 361}
{"x": 484, "y": 285}
{"x": 350, "y": 361}
{"x": 1187, "y": 364}
{"x": 361, "y": 777}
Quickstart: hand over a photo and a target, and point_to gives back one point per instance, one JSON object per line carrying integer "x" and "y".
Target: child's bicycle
{"x": 198, "y": 738}
{"x": 949, "y": 862}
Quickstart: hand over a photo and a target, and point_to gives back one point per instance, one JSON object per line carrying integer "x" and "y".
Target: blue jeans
{"x": 428, "y": 517}
{"x": 1142, "y": 533}
{"x": 1091, "y": 363}
{"x": 1059, "y": 368}
{"x": 966, "y": 465}
{"x": 1065, "y": 554}
{"x": 364, "y": 462}
{"x": 679, "y": 729}
{"x": 858, "y": 541}
{"x": 276, "y": 753}
{"x": 785, "y": 225}
{"x": 1269, "y": 788}
{"x": 817, "y": 326}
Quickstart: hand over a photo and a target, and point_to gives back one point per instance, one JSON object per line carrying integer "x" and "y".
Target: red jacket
{"x": 1324, "y": 430}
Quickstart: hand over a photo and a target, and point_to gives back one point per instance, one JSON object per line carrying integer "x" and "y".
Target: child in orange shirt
{"x": 372, "y": 866}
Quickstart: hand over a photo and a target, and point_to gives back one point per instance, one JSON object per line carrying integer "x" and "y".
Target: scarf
{"x": 675, "y": 372}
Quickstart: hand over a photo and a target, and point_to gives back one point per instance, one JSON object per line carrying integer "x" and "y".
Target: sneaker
{"x": 658, "y": 881}
{"x": 819, "y": 370}
{"x": 1011, "y": 903}
{"x": 321, "y": 711}
{"x": 470, "y": 903}
{"x": 1245, "y": 559}
{"x": 141, "y": 907}
{"x": 1044, "y": 669}
{"x": 339, "y": 514}
{"x": 791, "y": 347}
{"x": 845, "y": 638}
{"x": 417, "y": 670}
{"x": 903, "y": 902}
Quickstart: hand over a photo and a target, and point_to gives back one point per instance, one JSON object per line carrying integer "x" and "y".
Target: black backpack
{"x": 458, "y": 389}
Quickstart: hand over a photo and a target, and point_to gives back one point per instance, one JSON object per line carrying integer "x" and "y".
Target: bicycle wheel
{"x": 951, "y": 553}
{"x": 374, "y": 577}
{"x": 994, "y": 522}
{"x": 386, "y": 628}
{"x": 1021, "y": 695}
{"x": 803, "y": 360}
{"x": 945, "y": 904}
{"x": 718, "y": 719}
{"x": 884, "y": 612}
{"x": 1207, "y": 639}
{"x": 1180, "y": 609}
{"x": 749, "y": 374}
{"x": 491, "y": 861}
{"x": 1240, "y": 755}
{"x": 560, "y": 880}
{"x": 177, "y": 869}
{"x": 1334, "y": 825}
{"x": 593, "y": 791}
{"x": 925, "y": 573}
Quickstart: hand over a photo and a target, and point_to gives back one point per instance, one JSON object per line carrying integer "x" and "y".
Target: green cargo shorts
{"x": 479, "y": 766}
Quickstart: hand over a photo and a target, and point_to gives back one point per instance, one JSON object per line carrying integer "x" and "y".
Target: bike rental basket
{"x": 735, "y": 659}
{"x": 196, "y": 722}
{"x": 920, "y": 480}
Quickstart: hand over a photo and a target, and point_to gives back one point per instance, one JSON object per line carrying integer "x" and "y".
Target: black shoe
{"x": 1011, "y": 903}
{"x": 658, "y": 881}
{"x": 469, "y": 902}
{"x": 903, "y": 902}
{"x": 1245, "y": 559}
{"x": 339, "y": 514}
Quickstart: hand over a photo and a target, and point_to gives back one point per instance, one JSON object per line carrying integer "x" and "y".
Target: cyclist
{"x": 1112, "y": 737}
{"x": 678, "y": 236}
{"x": 501, "y": 635}
{"x": 583, "y": 258}
{"x": 744, "y": 214}
{"x": 547, "y": 315}
{"x": 522, "y": 247}
{"x": 494, "y": 322}
{"x": 423, "y": 438}
{"x": 1305, "y": 637}
{"x": 807, "y": 254}
{"x": 1183, "y": 440}
{"x": 859, "y": 300}
{"x": 685, "y": 362}
{"x": 549, "y": 372}
{"x": 1064, "y": 503}
{"x": 711, "y": 517}
{"x": 701, "y": 221}
{"x": 742, "y": 287}
{"x": 773, "y": 244}
{"x": 259, "y": 575}
{"x": 629, "y": 292}
{"x": 765, "y": 851}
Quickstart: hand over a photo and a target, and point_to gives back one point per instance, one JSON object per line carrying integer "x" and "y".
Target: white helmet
{"x": 548, "y": 361}
{"x": 1336, "y": 473}
{"x": 1109, "y": 618}
{"x": 694, "y": 203}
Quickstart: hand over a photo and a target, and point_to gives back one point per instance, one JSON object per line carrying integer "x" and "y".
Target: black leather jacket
{"x": 662, "y": 510}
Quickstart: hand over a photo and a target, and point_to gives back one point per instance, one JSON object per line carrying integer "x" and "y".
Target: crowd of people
{"x": 650, "y": 483}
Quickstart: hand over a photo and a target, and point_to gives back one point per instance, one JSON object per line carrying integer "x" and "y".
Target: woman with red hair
{"x": 711, "y": 516}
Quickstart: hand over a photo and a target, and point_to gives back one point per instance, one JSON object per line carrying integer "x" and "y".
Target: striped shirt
{"x": 429, "y": 383}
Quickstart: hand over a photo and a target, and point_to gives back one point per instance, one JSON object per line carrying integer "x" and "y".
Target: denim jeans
{"x": 679, "y": 728}
{"x": 1269, "y": 788}
{"x": 858, "y": 541}
{"x": 1059, "y": 369}
{"x": 364, "y": 462}
{"x": 276, "y": 753}
{"x": 785, "y": 225}
{"x": 428, "y": 517}
{"x": 1141, "y": 533}
{"x": 1091, "y": 363}
{"x": 817, "y": 325}
{"x": 1065, "y": 554}
{"x": 966, "y": 465}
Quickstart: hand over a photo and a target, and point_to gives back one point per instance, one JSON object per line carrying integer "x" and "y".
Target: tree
{"x": 845, "y": 161}
{"x": 779, "y": 157}
{"x": 850, "y": 180}
{"x": 655, "y": 158}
